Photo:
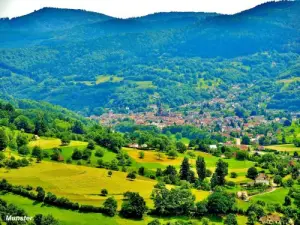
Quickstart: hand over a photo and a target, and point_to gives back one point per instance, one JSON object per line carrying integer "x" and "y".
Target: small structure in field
{"x": 262, "y": 179}
{"x": 213, "y": 147}
{"x": 133, "y": 145}
{"x": 243, "y": 195}
{"x": 270, "y": 219}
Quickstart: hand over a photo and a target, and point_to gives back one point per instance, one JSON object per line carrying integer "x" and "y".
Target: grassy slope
{"x": 82, "y": 184}
{"x": 47, "y": 143}
{"x": 68, "y": 217}
{"x": 285, "y": 148}
{"x": 151, "y": 161}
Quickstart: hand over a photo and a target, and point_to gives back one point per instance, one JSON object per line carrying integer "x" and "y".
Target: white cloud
{"x": 127, "y": 8}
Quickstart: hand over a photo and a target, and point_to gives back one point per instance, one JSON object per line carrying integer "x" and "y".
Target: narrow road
{"x": 272, "y": 189}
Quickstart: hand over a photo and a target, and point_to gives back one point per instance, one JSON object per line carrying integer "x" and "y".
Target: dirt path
{"x": 272, "y": 189}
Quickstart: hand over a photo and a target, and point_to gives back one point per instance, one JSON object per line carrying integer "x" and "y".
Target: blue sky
{"x": 127, "y": 8}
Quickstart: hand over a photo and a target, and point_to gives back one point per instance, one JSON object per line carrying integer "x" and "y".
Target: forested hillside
{"x": 86, "y": 61}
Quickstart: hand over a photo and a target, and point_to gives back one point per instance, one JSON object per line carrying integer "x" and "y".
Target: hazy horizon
{"x": 126, "y": 9}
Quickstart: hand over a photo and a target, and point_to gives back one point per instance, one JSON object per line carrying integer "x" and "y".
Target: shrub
{"x": 104, "y": 192}
{"x": 91, "y": 145}
{"x": 77, "y": 154}
{"x": 86, "y": 154}
{"x": 37, "y": 152}
{"x": 99, "y": 153}
{"x": 230, "y": 184}
{"x": 141, "y": 171}
{"x": 233, "y": 175}
{"x": 131, "y": 176}
{"x": 23, "y": 150}
{"x": 134, "y": 206}
{"x": 208, "y": 173}
{"x": 141, "y": 154}
{"x": 110, "y": 206}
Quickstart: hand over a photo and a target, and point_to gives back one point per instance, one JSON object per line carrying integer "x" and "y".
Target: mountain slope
{"x": 87, "y": 61}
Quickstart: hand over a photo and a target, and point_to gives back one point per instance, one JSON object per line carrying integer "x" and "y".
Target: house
{"x": 262, "y": 179}
{"x": 143, "y": 146}
{"x": 133, "y": 145}
{"x": 270, "y": 219}
{"x": 213, "y": 147}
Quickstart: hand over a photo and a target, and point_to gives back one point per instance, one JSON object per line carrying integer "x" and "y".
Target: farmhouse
{"x": 133, "y": 145}
{"x": 212, "y": 147}
{"x": 270, "y": 219}
{"x": 262, "y": 179}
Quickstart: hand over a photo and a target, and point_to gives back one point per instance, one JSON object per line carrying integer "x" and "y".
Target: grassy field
{"x": 285, "y": 148}
{"x": 276, "y": 196}
{"x": 49, "y": 143}
{"x": 151, "y": 161}
{"x": 106, "y": 78}
{"x": 184, "y": 140}
{"x": 144, "y": 84}
{"x": 82, "y": 184}
{"x": 68, "y": 217}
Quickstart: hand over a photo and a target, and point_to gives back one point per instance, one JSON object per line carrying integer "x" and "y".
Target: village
{"x": 211, "y": 116}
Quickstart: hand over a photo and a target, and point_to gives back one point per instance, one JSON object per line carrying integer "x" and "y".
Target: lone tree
{"x": 131, "y": 176}
{"x": 104, "y": 192}
{"x": 141, "y": 154}
{"x": 184, "y": 169}
{"x": 252, "y": 173}
{"x": 221, "y": 172}
{"x": 3, "y": 139}
{"x": 134, "y": 206}
{"x": 201, "y": 168}
{"x": 109, "y": 173}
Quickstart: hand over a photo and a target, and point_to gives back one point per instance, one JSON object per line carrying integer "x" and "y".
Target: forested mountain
{"x": 87, "y": 61}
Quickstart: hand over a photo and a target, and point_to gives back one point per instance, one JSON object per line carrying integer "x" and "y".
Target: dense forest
{"x": 91, "y": 61}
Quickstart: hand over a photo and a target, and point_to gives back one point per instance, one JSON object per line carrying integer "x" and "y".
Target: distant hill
{"x": 57, "y": 55}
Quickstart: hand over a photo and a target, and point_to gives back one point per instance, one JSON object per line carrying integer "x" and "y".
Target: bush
{"x": 233, "y": 175}
{"x": 230, "y": 184}
{"x": 91, "y": 145}
{"x": 23, "y": 150}
{"x": 99, "y": 153}
{"x": 104, "y": 192}
{"x": 134, "y": 206}
{"x": 141, "y": 171}
{"x": 110, "y": 206}
{"x": 131, "y": 176}
{"x": 154, "y": 222}
{"x": 141, "y": 154}
{"x": 77, "y": 154}
{"x": 86, "y": 154}
{"x": 208, "y": 173}
{"x": 37, "y": 152}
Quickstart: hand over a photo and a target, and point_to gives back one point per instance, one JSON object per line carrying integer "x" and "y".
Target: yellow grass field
{"x": 82, "y": 184}
{"x": 285, "y": 148}
{"x": 48, "y": 143}
{"x": 240, "y": 167}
